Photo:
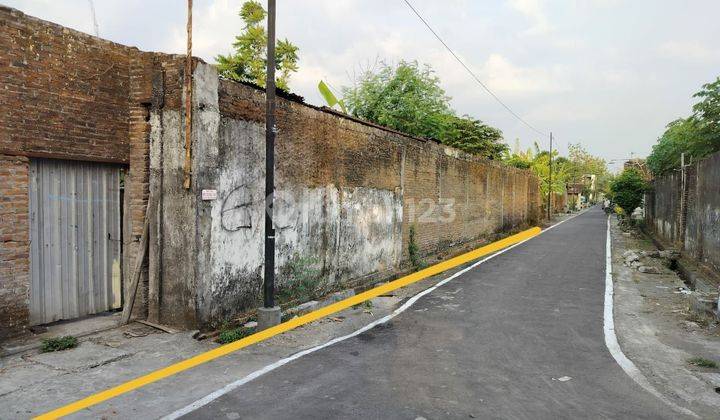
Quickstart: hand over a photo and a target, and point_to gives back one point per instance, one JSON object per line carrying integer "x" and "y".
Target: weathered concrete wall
{"x": 666, "y": 209}
{"x": 694, "y": 227}
{"x": 706, "y": 230}
{"x": 347, "y": 194}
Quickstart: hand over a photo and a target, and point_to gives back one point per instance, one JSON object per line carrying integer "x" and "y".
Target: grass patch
{"x": 235, "y": 334}
{"x": 58, "y": 343}
{"x": 702, "y": 362}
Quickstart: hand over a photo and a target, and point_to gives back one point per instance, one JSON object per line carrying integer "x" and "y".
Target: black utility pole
{"x": 269, "y": 285}
{"x": 549, "y": 206}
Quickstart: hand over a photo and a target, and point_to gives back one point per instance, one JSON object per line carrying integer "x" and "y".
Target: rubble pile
{"x": 638, "y": 259}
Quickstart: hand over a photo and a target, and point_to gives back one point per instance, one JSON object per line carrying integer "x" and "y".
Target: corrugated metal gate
{"x": 74, "y": 239}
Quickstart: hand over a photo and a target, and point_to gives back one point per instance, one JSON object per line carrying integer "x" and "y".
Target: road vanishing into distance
{"x": 519, "y": 336}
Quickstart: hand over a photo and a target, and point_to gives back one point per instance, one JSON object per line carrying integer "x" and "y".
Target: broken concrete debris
{"x": 638, "y": 259}
{"x": 648, "y": 269}
{"x": 630, "y": 256}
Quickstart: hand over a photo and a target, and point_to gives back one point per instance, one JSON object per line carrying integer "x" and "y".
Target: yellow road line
{"x": 287, "y": 326}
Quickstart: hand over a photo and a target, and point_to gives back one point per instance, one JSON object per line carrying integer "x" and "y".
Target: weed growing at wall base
{"x": 414, "y": 251}
{"x": 235, "y": 334}
{"x": 303, "y": 280}
{"x": 702, "y": 362}
{"x": 58, "y": 344}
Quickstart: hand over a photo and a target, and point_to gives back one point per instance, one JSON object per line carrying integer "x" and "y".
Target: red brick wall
{"x": 69, "y": 95}
{"x": 14, "y": 244}
{"x": 65, "y": 93}
{"x": 137, "y": 178}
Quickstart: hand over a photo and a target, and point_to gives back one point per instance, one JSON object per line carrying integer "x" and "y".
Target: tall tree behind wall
{"x": 696, "y": 136}
{"x": 408, "y": 98}
{"x": 249, "y": 60}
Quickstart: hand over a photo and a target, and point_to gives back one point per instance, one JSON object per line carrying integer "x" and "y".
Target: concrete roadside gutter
{"x": 658, "y": 330}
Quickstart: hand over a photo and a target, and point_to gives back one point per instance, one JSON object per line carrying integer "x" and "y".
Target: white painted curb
{"x": 611, "y": 339}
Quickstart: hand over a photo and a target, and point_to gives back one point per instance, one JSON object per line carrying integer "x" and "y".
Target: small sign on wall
{"x": 208, "y": 195}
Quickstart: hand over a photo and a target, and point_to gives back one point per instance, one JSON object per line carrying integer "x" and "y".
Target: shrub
{"x": 628, "y": 189}
{"x": 408, "y": 97}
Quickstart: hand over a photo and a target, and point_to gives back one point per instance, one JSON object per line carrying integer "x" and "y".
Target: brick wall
{"x": 316, "y": 148}
{"x": 65, "y": 93}
{"x": 14, "y": 244}
{"x": 69, "y": 95}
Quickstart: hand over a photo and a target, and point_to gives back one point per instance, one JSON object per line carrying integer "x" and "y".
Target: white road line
{"x": 256, "y": 374}
{"x": 611, "y": 339}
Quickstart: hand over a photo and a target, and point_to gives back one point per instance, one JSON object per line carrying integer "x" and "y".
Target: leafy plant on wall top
{"x": 330, "y": 97}
{"x": 249, "y": 60}
{"x": 518, "y": 158}
{"x": 472, "y": 136}
{"x": 408, "y": 97}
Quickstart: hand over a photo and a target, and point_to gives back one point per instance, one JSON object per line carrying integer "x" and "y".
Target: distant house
{"x": 575, "y": 198}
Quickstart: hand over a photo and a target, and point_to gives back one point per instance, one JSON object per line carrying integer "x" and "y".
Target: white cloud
{"x": 532, "y": 9}
{"x": 691, "y": 52}
{"x": 502, "y": 76}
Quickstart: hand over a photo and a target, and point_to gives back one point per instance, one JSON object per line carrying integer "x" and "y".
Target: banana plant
{"x": 330, "y": 97}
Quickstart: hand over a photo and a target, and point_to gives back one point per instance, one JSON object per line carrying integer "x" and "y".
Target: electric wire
{"x": 477, "y": 79}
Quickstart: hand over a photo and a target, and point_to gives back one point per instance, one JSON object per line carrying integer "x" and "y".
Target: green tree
{"x": 539, "y": 162}
{"x": 581, "y": 163}
{"x": 677, "y": 139}
{"x": 541, "y": 168}
{"x": 697, "y": 135}
{"x": 473, "y": 136}
{"x": 249, "y": 60}
{"x": 627, "y": 190}
{"x": 407, "y": 98}
{"x": 707, "y": 115}
{"x": 520, "y": 159}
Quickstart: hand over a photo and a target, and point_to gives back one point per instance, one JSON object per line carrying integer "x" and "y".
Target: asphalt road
{"x": 492, "y": 343}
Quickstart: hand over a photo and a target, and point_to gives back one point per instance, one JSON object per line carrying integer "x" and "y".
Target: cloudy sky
{"x": 607, "y": 73}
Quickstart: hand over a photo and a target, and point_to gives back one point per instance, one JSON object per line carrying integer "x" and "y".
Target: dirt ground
{"x": 658, "y": 330}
